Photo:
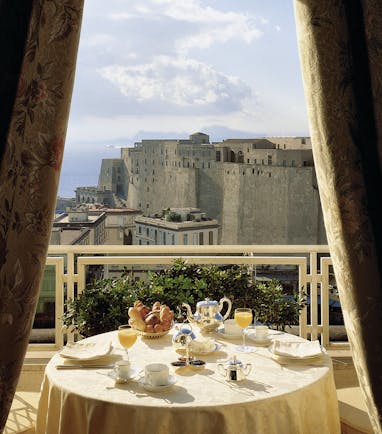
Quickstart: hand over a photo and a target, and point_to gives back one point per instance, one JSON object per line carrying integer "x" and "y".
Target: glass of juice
{"x": 127, "y": 337}
{"x": 243, "y": 318}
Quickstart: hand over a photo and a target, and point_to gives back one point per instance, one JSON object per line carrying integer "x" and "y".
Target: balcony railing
{"x": 311, "y": 262}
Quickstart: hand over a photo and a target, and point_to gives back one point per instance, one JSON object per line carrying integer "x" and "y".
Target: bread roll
{"x": 152, "y": 319}
{"x": 136, "y": 318}
{"x": 158, "y": 328}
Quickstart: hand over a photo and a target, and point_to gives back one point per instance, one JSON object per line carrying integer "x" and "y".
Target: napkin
{"x": 297, "y": 350}
{"x": 83, "y": 351}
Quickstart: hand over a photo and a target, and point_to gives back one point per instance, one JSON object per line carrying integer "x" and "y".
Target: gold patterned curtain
{"x": 39, "y": 42}
{"x": 340, "y": 44}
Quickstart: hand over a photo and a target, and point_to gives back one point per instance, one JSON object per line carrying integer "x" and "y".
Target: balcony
{"x": 307, "y": 268}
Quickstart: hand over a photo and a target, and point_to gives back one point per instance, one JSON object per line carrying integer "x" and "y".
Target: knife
{"x": 84, "y": 366}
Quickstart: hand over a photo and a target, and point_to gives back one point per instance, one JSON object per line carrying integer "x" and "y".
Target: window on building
{"x": 201, "y": 238}
{"x": 218, "y": 156}
{"x": 293, "y": 163}
{"x": 185, "y": 239}
{"x": 195, "y": 239}
{"x": 210, "y": 238}
{"x": 269, "y": 160}
{"x": 164, "y": 238}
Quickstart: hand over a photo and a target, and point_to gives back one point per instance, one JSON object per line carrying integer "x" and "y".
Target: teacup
{"x": 122, "y": 369}
{"x": 156, "y": 374}
{"x": 261, "y": 332}
{"x": 231, "y": 327}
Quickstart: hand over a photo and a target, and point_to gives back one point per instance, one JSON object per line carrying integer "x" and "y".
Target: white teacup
{"x": 122, "y": 369}
{"x": 231, "y": 327}
{"x": 156, "y": 374}
{"x": 262, "y": 332}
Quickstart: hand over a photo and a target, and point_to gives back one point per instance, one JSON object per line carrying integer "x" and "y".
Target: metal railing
{"x": 312, "y": 263}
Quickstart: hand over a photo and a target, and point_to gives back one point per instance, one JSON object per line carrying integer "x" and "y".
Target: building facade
{"x": 177, "y": 226}
{"x": 79, "y": 227}
{"x": 261, "y": 191}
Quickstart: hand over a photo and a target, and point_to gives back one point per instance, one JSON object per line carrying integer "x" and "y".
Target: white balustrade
{"x": 312, "y": 261}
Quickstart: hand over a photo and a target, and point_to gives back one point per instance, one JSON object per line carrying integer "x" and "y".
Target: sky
{"x": 169, "y": 68}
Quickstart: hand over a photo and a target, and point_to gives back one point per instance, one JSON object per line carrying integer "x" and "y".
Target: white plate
{"x": 133, "y": 373}
{"x": 296, "y": 359}
{"x": 293, "y": 361}
{"x": 86, "y": 350}
{"x": 216, "y": 347}
{"x": 260, "y": 342}
{"x": 150, "y": 388}
{"x": 182, "y": 351}
{"x": 224, "y": 335}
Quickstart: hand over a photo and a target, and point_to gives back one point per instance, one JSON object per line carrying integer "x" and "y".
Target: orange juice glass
{"x": 127, "y": 336}
{"x": 243, "y": 318}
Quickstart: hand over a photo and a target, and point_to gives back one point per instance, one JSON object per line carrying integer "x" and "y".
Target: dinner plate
{"x": 296, "y": 358}
{"x": 151, "y": 388}
{"x": 313, "y": 346}
{"x": 296, "y": 361}
{"x": 86, "y": 350}
{"x": 224, "y": 335}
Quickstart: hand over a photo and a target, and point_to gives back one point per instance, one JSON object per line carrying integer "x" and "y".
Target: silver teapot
{"x": 234, "y": 370}
{"x": 207, "y": 316}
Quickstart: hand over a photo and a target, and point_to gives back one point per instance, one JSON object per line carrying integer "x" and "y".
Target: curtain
{"x": 340, "y": 46}
{"x": 39, "y": 42}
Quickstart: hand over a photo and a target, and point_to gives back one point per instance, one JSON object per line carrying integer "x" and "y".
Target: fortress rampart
{"x": 258, "y": 191}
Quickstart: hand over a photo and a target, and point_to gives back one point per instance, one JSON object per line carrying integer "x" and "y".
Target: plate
{"x": 286, "y": 358}
{"x": 85, "y": 350}
{"x": 216, "y": 347}
{"x": 150, "y": 388}
{"x": 260, "y": 342}
{"x": 296, "y": 361}
{"x": 224, "y": 335}
{"x": 182, "y": 351}
{"x": 310, "y": 346}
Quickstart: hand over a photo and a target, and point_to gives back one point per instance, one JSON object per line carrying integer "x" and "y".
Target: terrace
{"x": 309, "y": 266}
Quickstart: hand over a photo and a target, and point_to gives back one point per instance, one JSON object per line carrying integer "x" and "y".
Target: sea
{"x": 81, "y": 169}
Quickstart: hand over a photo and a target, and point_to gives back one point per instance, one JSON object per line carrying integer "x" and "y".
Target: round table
{"x": 274, "y": 398}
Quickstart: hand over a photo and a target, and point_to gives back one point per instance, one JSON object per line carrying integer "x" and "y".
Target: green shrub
{"x": 103, "y": 305}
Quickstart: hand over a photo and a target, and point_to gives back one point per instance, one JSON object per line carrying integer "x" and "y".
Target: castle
{"x": 261, "y": 191}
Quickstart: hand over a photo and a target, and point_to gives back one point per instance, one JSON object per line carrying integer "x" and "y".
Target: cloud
{"x": 203, "y": 26}
{"x": 179, "y": 81}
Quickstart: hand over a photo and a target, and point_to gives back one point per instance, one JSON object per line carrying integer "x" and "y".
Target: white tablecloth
{"x": 274, "y": 398}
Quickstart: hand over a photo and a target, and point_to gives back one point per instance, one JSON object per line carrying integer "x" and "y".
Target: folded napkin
{"x": 108, "y": 359}
{"x": 297, "y": 350}
{"x": 83, "y": 351}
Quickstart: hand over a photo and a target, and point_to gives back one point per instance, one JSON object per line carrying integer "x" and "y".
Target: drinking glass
{"x": 127, "y": 337}
{"x": 243, "y": 318}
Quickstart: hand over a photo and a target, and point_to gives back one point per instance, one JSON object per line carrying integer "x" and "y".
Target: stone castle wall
{"x": 254, "y": 204}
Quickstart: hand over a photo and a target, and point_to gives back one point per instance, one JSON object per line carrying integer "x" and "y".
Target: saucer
{"x": 221, "y": 332}
{"x": 150, "y": 388}
{"x": 133, "y": 373}
{"x": 216, "y": 347}
{"x": 260, "y": 342}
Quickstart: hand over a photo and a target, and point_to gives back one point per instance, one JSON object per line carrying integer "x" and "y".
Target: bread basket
{"x": 154, "y": 335}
